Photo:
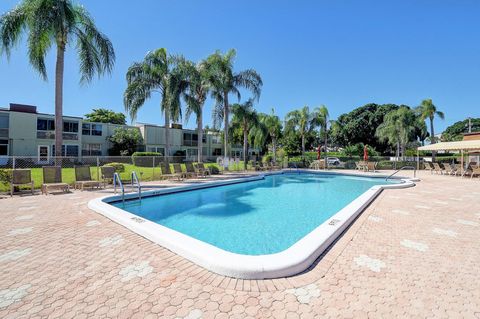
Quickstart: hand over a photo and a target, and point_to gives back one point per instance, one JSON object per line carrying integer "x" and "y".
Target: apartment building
{"x": 26, "y": 132}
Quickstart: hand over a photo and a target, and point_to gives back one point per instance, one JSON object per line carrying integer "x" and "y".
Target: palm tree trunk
{"x": 326, "y": 141}
{"x": 59, "y": 68}
{"x": 200, "y": 136}
{"x": 225, "y": 126}
{"x": 167, "y": 134}
{"x": 274, "y": 144}
{"x": 303, "y": 146}
{"x": 245, "y": 146}
{"x": 432, "y": 137}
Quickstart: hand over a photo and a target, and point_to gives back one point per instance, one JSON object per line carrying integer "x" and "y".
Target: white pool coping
{"x": 291, "y": 261}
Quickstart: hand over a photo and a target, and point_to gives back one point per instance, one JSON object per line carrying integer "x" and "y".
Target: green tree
{"x": 244, "y": 118}
{"x": 456, "y": 131}
{"x": 303, "y": 121}
{"x": 125, "y": 141}
{"x": 198, "y": 87}
{"x": 59, "y": 23}
{"x": 398, "y": 129}
{"x": 360, "y": 125}
{"x": 273, "y": 127}
{"x": 159, "y": 73}
{"x": 427, "y": 110}
{"x": 224, "y": 81}
{"x": 106, "y": 116}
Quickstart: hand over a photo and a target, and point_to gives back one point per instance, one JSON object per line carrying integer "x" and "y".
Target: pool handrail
{"x": 398, "y": 170}
{"x": 117, "y": 180}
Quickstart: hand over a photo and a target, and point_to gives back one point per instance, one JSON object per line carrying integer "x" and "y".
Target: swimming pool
{"x": 250, "y": 225}
{"x": 257, "y": 217}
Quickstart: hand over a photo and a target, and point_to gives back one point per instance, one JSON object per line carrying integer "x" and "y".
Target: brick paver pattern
{"x": 412, "y": 253}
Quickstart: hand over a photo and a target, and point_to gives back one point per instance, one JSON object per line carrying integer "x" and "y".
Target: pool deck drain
{"x": 75, "y": 263}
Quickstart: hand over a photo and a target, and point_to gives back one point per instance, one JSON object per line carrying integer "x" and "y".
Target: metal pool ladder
{"x": 398, "y": 170}
{"x": 136, "y": 182}
{"x": 117, "y": 180}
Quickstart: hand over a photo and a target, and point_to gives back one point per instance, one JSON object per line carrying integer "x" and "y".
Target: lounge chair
{"x": 83, "y": 178}
{"x": 449, "y": 169}
{"x": 52, "y": 179}
{"x": 361, "y": 165}
{"x": 475, "y": 171}
{"x": 21, "y": 177}
{"x": 371, "y": 166}
{"x": 166, "y": 172}
{"x": 428, "y": 167}
{"x": 438, "y": 169}
{"x": 108, "y": 173}
{"x": 458, "y": 169}
{"x": 177, "y": 171}
{"x": 190, "y": 170}
{"x": 202, "y": 170}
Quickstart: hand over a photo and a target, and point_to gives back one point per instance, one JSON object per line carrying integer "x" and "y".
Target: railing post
{"x": 153, "y": 169}
{"x": 13, "y": 162}
{"x": 98, "y": 169}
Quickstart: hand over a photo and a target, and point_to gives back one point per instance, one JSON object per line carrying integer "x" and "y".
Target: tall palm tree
{"x": 398, "y": 128}
{"x": 59, "y": 23}
{"x": 224, "y": 81}
{"x": 245, "y": 118}
{"x": 303, "y": 121}
{"x": 273, "y": 127}
{"x": 159, "y": 73}
{"x": 427, "y": 110}
{"x": 195, "y": 97}
{"x": 322, "y": 115}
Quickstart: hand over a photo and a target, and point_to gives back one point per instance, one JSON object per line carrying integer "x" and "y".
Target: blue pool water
{"x": 254, "y": 218}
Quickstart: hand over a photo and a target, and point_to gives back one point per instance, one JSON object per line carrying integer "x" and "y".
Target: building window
{"x": 156, "y": 149}
{"x": 91, "y": 149}
{"x": 216, "y": 139}
{"x": 217, "y": 152}
{"x": 45, "y": 125}
{"x": 4, "y": 119}
{"x": 70, "y": 127}
{"x": 68, "y": 150}
{"x": 3, "y": 147}
{"x": 92, "y": 129}
{"x": 190, "y": 139}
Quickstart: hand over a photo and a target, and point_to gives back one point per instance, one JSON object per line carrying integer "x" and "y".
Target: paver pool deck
{"x": 412, "y": 253}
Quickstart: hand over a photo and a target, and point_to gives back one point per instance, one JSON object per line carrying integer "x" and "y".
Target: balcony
{"x": 50, "y": 135}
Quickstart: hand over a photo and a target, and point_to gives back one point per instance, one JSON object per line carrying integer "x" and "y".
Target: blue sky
{"x": 343, "y": 54}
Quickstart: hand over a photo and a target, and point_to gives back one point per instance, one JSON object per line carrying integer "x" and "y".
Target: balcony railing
{"x": 4, "y": 132}
{"x": 50, "y": 135}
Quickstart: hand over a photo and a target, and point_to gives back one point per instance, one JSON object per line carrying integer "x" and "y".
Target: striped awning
{"x": 452, "y": 146}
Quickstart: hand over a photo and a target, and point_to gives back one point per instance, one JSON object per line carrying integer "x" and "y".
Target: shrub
{"x": 119, "y": 167}
{"x": 267, "y": 158}
{"x": 214, "y": 169}
{"x": 147, "y": 154}
{"x": 5, "y": 176}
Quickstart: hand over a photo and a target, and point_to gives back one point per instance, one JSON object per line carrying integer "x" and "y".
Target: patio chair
{"x": 177, "y": 171}
{"x": 202, "y": 170}
{"x": 449, "y": 169}
{"x": 458, "y": 169}
{"x": 166, "y": 172}
{"x": 371, "y": 166}
{"x": 21, "y": 177}
{"x": 83, "y": 178}
{"x": 438, "y": 169}
{"x": 428, "y": 167}
{"x": 52, "y": 179}
{"x": 190, "y": 170}
{"x": 475, "y": 172}
{"x": 274, "y": 166}
{"x": 108, "y": 173}
{"x": 361, "y": 165}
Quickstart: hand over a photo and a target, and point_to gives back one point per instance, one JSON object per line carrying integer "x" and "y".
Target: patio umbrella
{"x": 365, "y": 153}
{"x": 319, "y": 152}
